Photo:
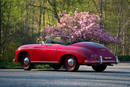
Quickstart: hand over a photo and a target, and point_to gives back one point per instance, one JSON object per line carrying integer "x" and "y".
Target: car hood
{"x": 29, "y": 46}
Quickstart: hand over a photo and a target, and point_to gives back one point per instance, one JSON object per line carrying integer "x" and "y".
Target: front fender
{"x": 18, "y": 52}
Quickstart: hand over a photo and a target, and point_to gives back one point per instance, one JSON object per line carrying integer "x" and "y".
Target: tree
{"x": 22, "y": 21}
{"x": 81, "y": 26}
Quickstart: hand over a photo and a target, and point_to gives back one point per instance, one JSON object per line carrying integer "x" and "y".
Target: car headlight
{"x": 19, "y": 48}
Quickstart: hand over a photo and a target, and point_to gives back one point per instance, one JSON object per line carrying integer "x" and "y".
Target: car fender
{"x": 80, "y": 53}
{"x": 18, "y": 52}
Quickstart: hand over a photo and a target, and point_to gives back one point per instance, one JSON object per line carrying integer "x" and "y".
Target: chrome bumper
{"x": 117, "y": 60}
{"x": 101, "y": 61}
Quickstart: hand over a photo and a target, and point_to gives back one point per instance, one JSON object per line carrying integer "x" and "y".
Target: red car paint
{"x": 87, "y": 53}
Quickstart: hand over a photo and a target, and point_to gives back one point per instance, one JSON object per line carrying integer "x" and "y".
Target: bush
{"x": 42, "y": 66}
{"x": 124, "y": 58}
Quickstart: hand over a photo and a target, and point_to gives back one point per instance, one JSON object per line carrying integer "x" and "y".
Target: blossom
{"x": 81, "y": 26}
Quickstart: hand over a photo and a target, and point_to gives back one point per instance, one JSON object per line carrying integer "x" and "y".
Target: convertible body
{"x": 71, "y": 56}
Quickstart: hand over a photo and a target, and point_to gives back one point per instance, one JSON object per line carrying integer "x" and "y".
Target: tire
{"x": 26, "y": 63}
{"x": 71, "y": 63}
{"x": 99, "y": 68}
{"x": 55, "y": 66}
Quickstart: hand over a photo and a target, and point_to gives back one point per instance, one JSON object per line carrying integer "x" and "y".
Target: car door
{"x": 50, "y": 53}
{"x": 44, "y": 53}
{"x": 38, "y": 53}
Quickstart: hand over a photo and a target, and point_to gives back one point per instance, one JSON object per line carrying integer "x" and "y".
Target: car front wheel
{"x": 71, "y": 63}
{"x": 26, "y": 64}
{"x": 99, "y": 68}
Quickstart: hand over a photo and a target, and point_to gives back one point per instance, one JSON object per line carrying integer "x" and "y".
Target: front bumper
{"x": 101, "y": 61}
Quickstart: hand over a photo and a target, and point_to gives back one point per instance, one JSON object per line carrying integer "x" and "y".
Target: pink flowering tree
{"x": 80, "y": 27}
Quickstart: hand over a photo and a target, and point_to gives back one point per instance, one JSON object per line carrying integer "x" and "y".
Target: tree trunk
{"x": 54, "y": 6}
{"x": 101, "y": 13}
{"x": 119, "y": 27}
{"x": 40, "y": 15}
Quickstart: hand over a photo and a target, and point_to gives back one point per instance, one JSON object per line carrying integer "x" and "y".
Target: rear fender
{"x": 79, "y": 56}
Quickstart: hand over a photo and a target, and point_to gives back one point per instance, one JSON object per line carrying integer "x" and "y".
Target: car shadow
{"x": 84, "y": 71}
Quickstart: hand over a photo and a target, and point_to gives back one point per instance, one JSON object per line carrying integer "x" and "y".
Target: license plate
{"x": 107, "y": 57}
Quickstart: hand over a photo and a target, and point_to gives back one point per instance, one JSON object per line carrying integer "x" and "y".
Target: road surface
{"x": 114, "y": 76}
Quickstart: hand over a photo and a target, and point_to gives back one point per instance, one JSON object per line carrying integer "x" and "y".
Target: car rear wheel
{"x": 55, "y": 66}
{"x": 99, "y": 68}
{"x": 26, "y": 64}
{"x": 71, "y": 63}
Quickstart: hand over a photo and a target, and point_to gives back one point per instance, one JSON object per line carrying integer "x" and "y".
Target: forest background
{"x": 23, "y": 21}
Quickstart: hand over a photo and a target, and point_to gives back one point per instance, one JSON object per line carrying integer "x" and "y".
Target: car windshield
{"x": 58, "y": 40}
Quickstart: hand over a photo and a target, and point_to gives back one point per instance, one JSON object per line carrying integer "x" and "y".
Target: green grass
{"x": 11, "y": 65}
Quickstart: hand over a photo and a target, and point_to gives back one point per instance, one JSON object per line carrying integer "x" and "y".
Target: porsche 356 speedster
{"x": 70, "y": 56}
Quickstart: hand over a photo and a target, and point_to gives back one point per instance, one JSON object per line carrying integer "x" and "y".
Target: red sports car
{"x": 71, "y": 56}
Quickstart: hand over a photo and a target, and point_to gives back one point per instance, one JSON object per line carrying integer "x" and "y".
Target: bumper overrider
{"x": 101, "y": 61}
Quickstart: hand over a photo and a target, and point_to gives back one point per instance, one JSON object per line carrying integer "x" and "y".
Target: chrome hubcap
{"x": 26, "y": 61}
{"x": 70, "y": 62}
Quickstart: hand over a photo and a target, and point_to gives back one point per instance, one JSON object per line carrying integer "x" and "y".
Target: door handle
{"x": 54, "y": 49}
